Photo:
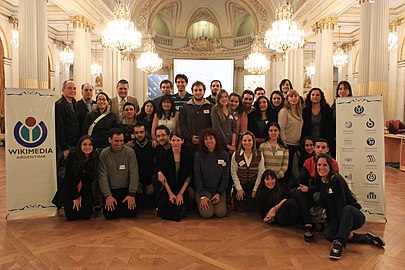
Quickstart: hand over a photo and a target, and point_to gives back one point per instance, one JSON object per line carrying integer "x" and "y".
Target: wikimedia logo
{"x": 359, "y": 109}
{"x": 30, "y": 134}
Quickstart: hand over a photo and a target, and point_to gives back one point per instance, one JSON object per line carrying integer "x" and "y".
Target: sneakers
{"x": 336, "y": 251}
{"x": 309, "y": 234}
{"x": 375, "y": 240}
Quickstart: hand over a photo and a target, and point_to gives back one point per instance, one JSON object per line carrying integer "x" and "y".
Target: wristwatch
{"x": 203, "y": 197}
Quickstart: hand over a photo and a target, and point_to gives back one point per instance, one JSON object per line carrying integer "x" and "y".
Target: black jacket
{"x": 327, "y": 124}
{"x": 66, "y": 123}
{"x": 82, "y": 111}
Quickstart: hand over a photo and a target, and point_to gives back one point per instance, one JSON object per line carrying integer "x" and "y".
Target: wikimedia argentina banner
{"x": 360, "y": 150}
{"x": 30, "y": 150}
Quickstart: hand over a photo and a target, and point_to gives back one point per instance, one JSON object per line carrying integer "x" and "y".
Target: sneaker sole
{"x": 334, "y": 257}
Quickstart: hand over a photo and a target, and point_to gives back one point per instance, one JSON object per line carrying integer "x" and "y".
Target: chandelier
{"x": 121, "y": 32}
{"x": 339, "y": 56}
{"x": 14, "y": 32}
{"x": 67, "y": 55}
{"x": 149, "y": 61}
{"x": 284, "y": 33}
{"x": 310, "y": 69}
{"x": 256, "y": 63}
{"x": 96, "y": 68}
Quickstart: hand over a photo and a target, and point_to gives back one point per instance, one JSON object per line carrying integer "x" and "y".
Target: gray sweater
{"x": 118, "y": 170}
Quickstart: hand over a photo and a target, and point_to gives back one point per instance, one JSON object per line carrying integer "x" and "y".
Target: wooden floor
{"x": 238, "y": 241}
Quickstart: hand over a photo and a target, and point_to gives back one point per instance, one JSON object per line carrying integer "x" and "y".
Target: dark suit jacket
{"x": 114, "y": 106}
{"x": 82, "y": 111}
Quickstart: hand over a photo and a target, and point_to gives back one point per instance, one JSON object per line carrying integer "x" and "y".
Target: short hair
{"x": 65, "y": 82}
{"x": 104, "y": 94}
{"x": 88, "y": 84}
{"x": 162, "y": 127}
{"x": 122, "y": 81}
{"x": 128, "y": 104}
{"x": 259, "y": 89}
{"x": 115, "y": 131}
{"x": 247, "y": 92}
{"x": 166, "y": 82}
{"x": 181, "y": 76}
{"x": 283, "y": 82}
{"x": 140, "y": 124}
{"x": 321, "y": 140}
{"x": 196, "y": 83}
{"x": 220, "y": 84}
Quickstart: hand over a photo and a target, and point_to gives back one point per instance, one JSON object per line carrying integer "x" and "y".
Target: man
{"x": 67, "y": 131}
{"x": 84, "y": 105}
{"x": 145, "y": 155}
{"x": 182, "y": 96}
{"x": 215, "y": 86}
{"x": 162, "y": 136}
{"x": 166, "y": 87}
{"x": 117, "y": 103}
{"x": 195, "y": 116}
{"x": 259, "y": 91}
{"x": 118, "y": 177}
{"x": 247, "y": 100}
{"x": 127, "y": 124}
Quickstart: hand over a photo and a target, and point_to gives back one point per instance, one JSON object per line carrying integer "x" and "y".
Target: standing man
{"x": 117, "y": 103}
{"x": 259, "y": 91}
{"x": 118, "y": 177}
{"x": 195, "y": 116}
{"x": 67, "y": 132}
{"x": 182, "y": 95}
{"x": 84, "y": 105}
{"x": 215, "y": 86}
{"x": 247, "y": 100}
{"x": 166, "y": 87}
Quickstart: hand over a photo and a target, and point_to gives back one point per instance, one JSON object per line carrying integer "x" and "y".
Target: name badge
{"x": 279, "y": 153}
{"x": 231, "y": 116}
{"x": 330, "y": 191}
{"x": 178, "y": 108}
{"x": 206, "y": 111}
{"x": 266, "y": 122}
{"x": 122, "y": 167}
{"x": 132, "y": 136}
{"x": 242, "y": 163}
{"x": 221, "y": 162}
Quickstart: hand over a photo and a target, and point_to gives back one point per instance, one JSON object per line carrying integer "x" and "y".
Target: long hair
{"x": 142, "y": 114}
{"x": 221, "y": 108}
{"x": 303, "y": 154}
{"x": 308, "y": 103}
{"x": 288, "y": 107}
{"x": 240, "y": 146}
{"x": 347, "y": 86}
{"x": 276, "y": 108}
{"x": 79, "y": 158}
{"x": 218, "y": 142}
{"x": 279, "y": 140}
{"x": 264, "y": 194}
{"x": 161, "y": 112}
{"x": 257, "y": 111}
{"x": 239, "y": 110}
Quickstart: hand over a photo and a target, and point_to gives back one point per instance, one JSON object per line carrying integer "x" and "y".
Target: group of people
{"x": 184, "y": 151}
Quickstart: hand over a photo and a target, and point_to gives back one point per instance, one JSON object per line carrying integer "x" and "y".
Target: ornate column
{"x": 295, "y": 62}
{"x": 82, "y": 50}
{"x": 392, "y": 80}
{"x": 400, "y": 82}
{"x": 127, "y": 67}
{"x": 87, "y": 32}
{"x": 107, "y": 72}
{"x": 33, "y": 49}
{"x": 364, "y": 47}
{"x": 278, "y": 64}
{"x": 378, "y": 68}
{"x": 318, "y": 45}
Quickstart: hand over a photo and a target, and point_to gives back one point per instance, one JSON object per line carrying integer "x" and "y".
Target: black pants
{"x": 288, "y": 214}
{"x": 292, "y": 149}
{"x": 85, "y": 211}
{"x": 304, "y": 200}
{"x": 248, "y": 203}
{"x": 121, "y": 209}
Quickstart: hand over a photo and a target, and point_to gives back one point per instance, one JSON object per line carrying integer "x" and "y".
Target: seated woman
{"x": 275, "y": 152}
{"x": 247, "y": 166}
{"x": 81, "y": 172}
{"x": 342, "y": 210}
{"x": 99, "y": 121}
{"x": 260, "y": 118}
{"x": 211, "y": 174}
{"x": 166, "y": 115}
{"x": 174, "y": 172}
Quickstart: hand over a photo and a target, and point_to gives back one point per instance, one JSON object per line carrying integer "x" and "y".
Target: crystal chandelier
{"x": 67, "y": 56}
{"x": 121, "y": 32}
{"x": 256, "y": 63}
{"x": 284, "y": 33}
{"x": 14, "y": 32}
{"x": 96, "y": 68}
{"x": 310, "y": 69}
{"x": 339, "y": 56}
{"x": 149, "y": 61}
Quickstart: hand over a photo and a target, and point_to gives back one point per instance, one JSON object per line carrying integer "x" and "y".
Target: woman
{"x": 81, "y": 172}
{"x": 239, "y": 113}
{"x": 290, "y": 120}
{"x": 342, "y": 210}
{"x": 285, "y": 86}
{"x": 166, "y": 115}
{"x": 99, "y": 121}
{"x": 223, "y": 120}
{"x": 146, "y": 115}
{"x": 275, "y": 152}
{"x": 317, "y": 116}
{"x": 343, "y": 89}
{"x": 175, "y": 170}
{"x": 260, "y": 118}
{"x": 306, "y": 151}
{"x": 211, "y": 174}
{"x": 276, "y": 102}
{"x": 247, "y": 166}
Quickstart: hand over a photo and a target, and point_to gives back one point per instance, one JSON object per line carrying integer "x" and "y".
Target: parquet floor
{"x": 238, "y": 241}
